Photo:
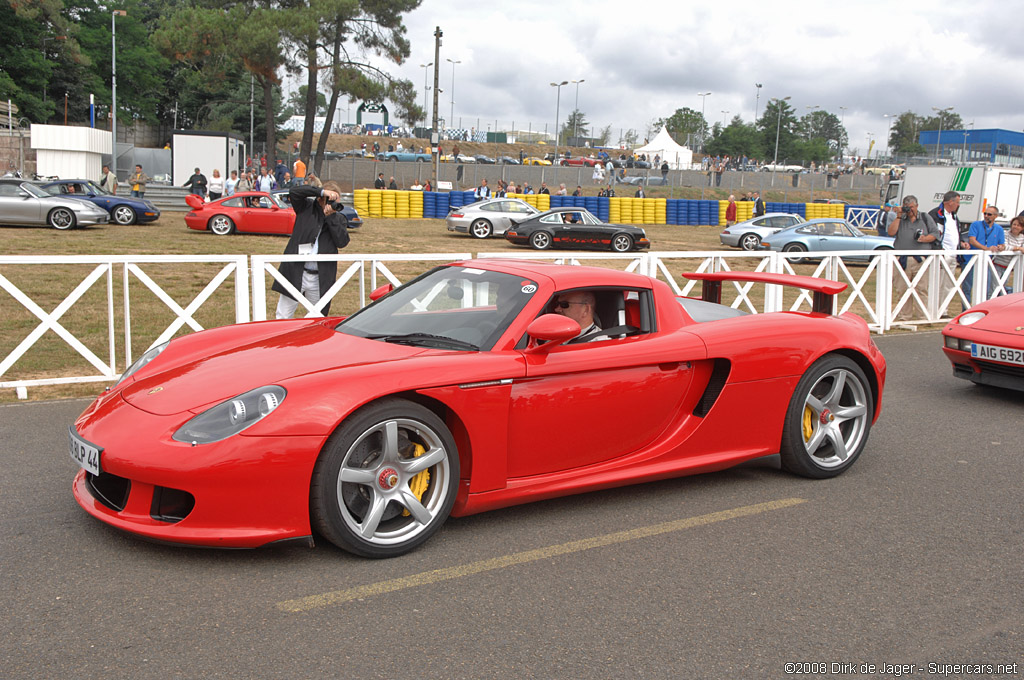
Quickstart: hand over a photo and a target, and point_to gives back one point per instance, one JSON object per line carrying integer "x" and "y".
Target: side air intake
{"x": 719, "y": 375}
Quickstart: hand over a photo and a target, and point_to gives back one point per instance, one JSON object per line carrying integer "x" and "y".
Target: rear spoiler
{"x": 824, "y": 289}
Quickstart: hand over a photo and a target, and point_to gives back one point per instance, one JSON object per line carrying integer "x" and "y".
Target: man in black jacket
{"x": 197, "y": 182}
{"x": 320, "y": 228}
{"x": 758, "y": 204}
{"x": 953, "y": 237}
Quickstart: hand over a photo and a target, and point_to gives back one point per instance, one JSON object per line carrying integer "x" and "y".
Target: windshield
{"x": 460, "y": 308}
{"x": 34, "y": 190}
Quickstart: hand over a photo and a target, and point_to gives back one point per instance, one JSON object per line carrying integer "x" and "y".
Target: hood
{"x": 1005, "y": 315}
{"x": 204, "y": 380}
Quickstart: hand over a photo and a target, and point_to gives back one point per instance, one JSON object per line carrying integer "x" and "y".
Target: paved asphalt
{"x": 912, "y": 557}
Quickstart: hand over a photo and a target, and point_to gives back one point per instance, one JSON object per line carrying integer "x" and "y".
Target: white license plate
{"x": 85, "y": 454}
{"x": 992, "y": 353}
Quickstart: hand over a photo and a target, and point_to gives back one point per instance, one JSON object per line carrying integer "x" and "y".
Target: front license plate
{"x": 992, "y": 353}
{"x": 82, "y": 452}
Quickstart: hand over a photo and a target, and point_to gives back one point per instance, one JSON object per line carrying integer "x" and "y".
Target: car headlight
{"x": 148, "y": 356}
{"x": 232, "y": 416}
{"x": 970, "y": 318}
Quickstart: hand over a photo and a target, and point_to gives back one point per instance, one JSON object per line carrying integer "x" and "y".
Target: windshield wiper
{"x": 426, "y": 339}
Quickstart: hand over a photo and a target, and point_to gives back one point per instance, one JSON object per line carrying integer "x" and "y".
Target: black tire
{"x": 374, "y": 491}
{"x": 795, "y": 248}
{"x": 564, "y": 163}
{"x": 123, "y": 215}
{"x": 540, "y": 240}
{"x": 750, "y": 242}
{"x": 622, "y": 243}
{"x": 62, "y": 219}
{"x": 828, "y": 420}
{"x": 221, "y": 225}
{"x": 481, "y": 228}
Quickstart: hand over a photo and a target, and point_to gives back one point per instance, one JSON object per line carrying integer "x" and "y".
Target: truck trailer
{"x": 978, "y": 186}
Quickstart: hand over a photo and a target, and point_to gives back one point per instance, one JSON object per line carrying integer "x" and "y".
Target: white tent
{"x": 678, "y": 157}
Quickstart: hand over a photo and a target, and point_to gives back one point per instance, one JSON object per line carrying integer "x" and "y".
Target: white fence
{"x": 935, "y": 293}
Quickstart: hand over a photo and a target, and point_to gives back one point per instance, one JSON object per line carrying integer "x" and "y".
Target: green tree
{"x": 824, "y": 126}
{"x": 297, "y": 103}
{"x": 683, "y": 125}
{"x": 778, "y": 122}
{"x": 736, "y": 139}
{"x": 575, "y": 126}
{"x": 903, "y": 135}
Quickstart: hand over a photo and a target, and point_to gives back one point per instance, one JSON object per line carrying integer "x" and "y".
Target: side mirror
{"x": 553, "y": 330}
{"x": 380, "y": 292}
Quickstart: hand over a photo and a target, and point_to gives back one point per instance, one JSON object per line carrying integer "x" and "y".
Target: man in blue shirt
{"x": 985, "y": 234}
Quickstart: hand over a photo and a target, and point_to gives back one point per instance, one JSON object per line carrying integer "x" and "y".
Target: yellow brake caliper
{"x": 808, "y": 423}
{"x": 418, "y": 484}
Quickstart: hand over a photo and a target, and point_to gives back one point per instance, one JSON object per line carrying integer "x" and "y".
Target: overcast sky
{"x": 644, "y": 59}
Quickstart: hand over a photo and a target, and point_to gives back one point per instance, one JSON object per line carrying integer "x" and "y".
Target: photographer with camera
{"x": 913, "y": 231}
{"x": 320, "y": 228}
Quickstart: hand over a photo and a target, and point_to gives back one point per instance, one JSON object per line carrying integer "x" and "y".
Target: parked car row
{"x": 26, "y": 203}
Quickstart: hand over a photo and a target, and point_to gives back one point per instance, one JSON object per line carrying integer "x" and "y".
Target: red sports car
{"x": 986, "y": 343}
{"x": 251, "y": 212}
{"x": 463, "y": 391}
{"x": 579, "y": 160}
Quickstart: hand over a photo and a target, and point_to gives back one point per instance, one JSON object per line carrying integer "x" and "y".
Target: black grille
{"x": 716, "y": 383}
{"x": 1001, "y": 369}
{"x": 171, "y": 505}
{"x": 110, "y": 490}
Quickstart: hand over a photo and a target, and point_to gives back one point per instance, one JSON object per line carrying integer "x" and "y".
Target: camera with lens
{"x": 918, "y": 234}
{"x": 336, "y": 206}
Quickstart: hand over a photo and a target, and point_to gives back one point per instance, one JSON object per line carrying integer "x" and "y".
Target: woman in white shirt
{"x": 216, "y": 186}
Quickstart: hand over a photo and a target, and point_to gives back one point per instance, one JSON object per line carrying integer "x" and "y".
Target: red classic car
{"x": 579, "y": 160}
{"x": 249, "y": 212}
{"x": 986, "y": 343}
{"x": 462, "y": 391}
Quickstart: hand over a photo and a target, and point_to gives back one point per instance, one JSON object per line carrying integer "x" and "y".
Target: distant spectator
{"x": 312, "y": 180}
{"x": 544, "y": 188}
{"x": 244, "y": 183}
{"x": 730, "y": 211}
{"x": 279, "y": 171}
{"x": 561, "y": 190}
{"x": 138, "y": 180}
{"x": 393, "y": 185}
{"x": 286, "y": 181}
{"x": 579, "y": 191}
{"x": 216, "y": 185}
{"x": 379, "y": 183}
{"x": 231, "y": 183}
{"x": 299, "y": 171}
{"x": 108, "y": 181}
{"x": 265, "y": 182}
{"x": 197, "y": 183}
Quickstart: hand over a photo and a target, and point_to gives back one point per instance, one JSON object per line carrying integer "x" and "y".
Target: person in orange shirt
{"x": 299, "y": 169}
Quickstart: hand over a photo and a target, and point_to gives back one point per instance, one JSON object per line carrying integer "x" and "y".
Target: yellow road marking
{"x": 427, "y": 577}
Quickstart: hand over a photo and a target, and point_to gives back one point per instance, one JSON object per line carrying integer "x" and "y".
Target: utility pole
{"x": 434, "y": 132}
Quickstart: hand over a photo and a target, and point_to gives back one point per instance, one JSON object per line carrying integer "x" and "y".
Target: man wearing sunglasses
{"x": 985, "y": 234}
{"x": 579, "y": 306}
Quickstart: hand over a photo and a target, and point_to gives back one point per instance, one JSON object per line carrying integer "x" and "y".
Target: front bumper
{"x": 981, "y": 371}
{"x": 242, "y": 492}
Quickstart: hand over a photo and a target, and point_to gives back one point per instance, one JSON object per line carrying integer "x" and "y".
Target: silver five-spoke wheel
{"x": 828, "y": 419}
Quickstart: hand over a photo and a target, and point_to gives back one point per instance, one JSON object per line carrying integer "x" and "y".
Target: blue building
{"x": 1001, "y": 147}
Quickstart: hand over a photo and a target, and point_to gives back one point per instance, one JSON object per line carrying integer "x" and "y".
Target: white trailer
{"x": 978, "y": 186}
{"x": 208, "y": 151}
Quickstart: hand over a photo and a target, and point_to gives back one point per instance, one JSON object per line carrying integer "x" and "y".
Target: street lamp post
{"x": 703, "y": 124}
{"x": 113, "y": 81}
{"x": 426, "y": 89}
{"x": 888, "y": 133}
{"x": 870, "y": 136}
{"x": 576, "y": 107}
{"x": 724, "y": 114}
{"x": 842, "y": 129}
{"x": 558, "y": 101}
{"x": 451, "y": 114}
{"x": 938, "y": 139}
{"x": 778, "y": 128}
{"x": 757, "y": 100}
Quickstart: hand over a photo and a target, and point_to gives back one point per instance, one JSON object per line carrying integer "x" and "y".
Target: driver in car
{"x": 579, "y": 306}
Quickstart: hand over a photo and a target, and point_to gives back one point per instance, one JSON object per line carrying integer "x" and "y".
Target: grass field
{"x": 48, "y": 285}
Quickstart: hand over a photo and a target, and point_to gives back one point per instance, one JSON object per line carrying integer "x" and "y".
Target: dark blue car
{"x": 122, "y": 209}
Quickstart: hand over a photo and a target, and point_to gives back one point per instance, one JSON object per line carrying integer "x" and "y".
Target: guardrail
{"x": 936, "y": 292}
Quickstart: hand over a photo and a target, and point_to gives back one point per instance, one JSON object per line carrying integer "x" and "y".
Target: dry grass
{"x": 48, "y": 286}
